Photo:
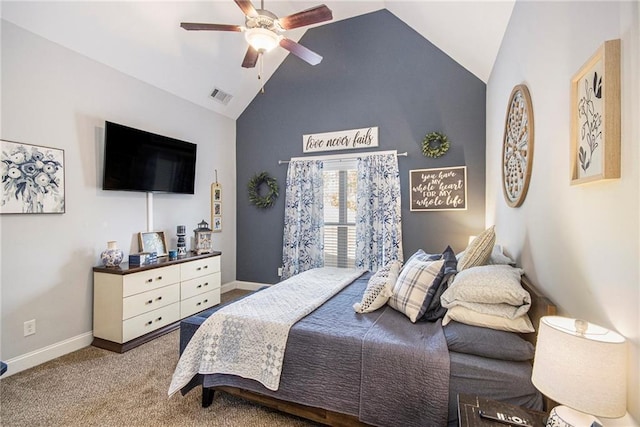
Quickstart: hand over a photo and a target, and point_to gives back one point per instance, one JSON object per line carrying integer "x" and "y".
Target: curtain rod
{"x": 339, "y": 157}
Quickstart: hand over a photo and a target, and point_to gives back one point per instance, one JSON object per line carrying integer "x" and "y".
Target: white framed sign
{"x": 441, "y": 189}
{"x": 340, "y": 140}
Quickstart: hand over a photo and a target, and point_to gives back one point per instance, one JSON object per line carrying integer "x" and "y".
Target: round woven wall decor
{"x": 517, "y": 147}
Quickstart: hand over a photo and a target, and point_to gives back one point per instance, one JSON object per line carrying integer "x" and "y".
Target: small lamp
{"x": 583, "y": 367}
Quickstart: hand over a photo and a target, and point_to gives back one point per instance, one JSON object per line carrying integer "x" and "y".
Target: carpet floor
{"x": 96, "y": 387}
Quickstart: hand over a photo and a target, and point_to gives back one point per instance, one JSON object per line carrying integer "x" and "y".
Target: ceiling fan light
{"x": 261, "y": 39}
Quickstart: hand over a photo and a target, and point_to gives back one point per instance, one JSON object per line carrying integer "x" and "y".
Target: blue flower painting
{"x": 32, "y": 179}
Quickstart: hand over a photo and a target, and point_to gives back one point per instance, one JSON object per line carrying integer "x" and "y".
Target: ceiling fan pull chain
{"x": 260, "y": 73}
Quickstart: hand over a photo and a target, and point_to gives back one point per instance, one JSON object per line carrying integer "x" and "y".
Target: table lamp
{"x": 582, "y": 366}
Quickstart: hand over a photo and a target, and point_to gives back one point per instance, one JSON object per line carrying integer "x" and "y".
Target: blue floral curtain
{"x": 378, "y": 224}
{"x": 303, "y": 242}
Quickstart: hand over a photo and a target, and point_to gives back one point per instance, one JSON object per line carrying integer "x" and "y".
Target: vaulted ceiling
{"x": 143, "y": 39}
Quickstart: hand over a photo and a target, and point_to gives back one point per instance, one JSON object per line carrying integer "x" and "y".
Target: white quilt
{"x": 248, "y": 338}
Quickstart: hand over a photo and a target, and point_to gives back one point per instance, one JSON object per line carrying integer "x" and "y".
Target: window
{"x": 340, "y": 213}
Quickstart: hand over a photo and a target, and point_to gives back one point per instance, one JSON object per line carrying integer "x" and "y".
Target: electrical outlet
{"x": 279, "y": 271}
{"x": 29, "y": 327}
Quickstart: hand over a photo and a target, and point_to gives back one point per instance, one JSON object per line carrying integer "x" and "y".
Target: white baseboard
{"x": 45, "y": 354}
{"x": 237, "y": 284}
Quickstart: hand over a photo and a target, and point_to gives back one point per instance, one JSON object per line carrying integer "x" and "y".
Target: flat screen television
{"x": 136, "y": 160}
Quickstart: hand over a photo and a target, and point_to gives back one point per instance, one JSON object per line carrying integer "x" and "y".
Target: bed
{"x": 350, "y": 369}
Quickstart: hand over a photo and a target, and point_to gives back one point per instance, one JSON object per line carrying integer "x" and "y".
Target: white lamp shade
{"x": 261, "y": 39}
{"x": 586, "y": 372}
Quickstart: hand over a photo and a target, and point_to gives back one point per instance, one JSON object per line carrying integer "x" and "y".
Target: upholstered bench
{"x": 188, "y": 327}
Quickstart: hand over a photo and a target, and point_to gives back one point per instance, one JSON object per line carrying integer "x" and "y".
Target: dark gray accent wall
{"x": 376, "y": 71}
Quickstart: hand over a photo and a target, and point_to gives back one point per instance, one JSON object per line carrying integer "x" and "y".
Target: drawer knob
{"x": 159, "y": 278}
{"x": 206, "y": 301}
{"x": 199, "y": 303}
{"x": 159, "y": 319}
{"x": 206, "y": 266}
{"x": 149, "y": 280}
{"x": 199, "y": 268}
{"x": 206, "y": 284}
{"x": 159, "y": 299}
{"x": 148, "y": 323}
{"x": 150, "y": 301}
{"x": 199, "y": 286}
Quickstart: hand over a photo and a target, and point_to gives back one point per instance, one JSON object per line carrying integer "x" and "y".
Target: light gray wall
{"x": 579, "y": 243}
{"x": 376, "y": 71}
{"x": 54, "y": 97}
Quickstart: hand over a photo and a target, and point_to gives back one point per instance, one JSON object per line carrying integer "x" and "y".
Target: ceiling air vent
{"x": 221, "y": 96}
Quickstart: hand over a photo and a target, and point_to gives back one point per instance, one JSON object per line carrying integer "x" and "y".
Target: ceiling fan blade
{"x": 300, "y": 51}
{"x": 250, "y": 58}
{"x": 306, "y": 17}
{"x": 247, "y": 7}
{"x": 193, "y": 26}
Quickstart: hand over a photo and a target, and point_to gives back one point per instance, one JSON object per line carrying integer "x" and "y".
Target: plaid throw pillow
{"x": 412, "y": 287}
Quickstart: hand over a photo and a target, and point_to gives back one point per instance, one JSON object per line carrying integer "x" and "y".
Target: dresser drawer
{"x": 149, "y": 322}
{"x": 200, "y": 285}
{"x": 150, "y": 279}
{"x": 198, "y": 303}
{"x": 150, "y": 300}
{"x": 203, "y": 267}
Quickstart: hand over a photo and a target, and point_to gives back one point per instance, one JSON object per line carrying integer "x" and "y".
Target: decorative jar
{"x": 112, "y": 256}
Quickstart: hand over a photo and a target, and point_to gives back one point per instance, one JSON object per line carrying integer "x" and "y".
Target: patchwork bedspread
{"x": 249, "y": 338}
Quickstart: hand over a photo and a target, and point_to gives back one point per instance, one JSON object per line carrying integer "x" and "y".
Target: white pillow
{"x": 499, "y": 257}
{"x": 379, "y": 288}
{"x": 464, "y": 315}
{"x": 488, "y": 284}
{"x": 412, "y": 286}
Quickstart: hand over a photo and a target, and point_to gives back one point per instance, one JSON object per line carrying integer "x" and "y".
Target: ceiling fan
{"x": 263, "y": 30}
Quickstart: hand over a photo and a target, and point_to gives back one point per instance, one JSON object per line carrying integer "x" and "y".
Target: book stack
{"x": 143, "y": 258}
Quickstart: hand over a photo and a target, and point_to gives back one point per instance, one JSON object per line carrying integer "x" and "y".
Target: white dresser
{"x": 133, "y": 305}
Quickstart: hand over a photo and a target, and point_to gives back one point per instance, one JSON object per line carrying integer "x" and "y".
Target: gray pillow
{"x": 487, "y": 342}
{"x": 433, "y": 308}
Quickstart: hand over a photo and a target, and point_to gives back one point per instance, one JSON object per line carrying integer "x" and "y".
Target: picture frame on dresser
{"x": 153, "y": 241}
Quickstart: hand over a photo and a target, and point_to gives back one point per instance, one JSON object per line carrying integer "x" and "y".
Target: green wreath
{"x": 435, "y": 144}
{"x": 254, "y": 185}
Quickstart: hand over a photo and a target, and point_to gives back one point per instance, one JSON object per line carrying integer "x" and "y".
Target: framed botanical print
{"x": 595, "y": 116}
{"x": 216, "y": 206}
{"x": 217, "y": 224}
{"x": 32, "y": 178}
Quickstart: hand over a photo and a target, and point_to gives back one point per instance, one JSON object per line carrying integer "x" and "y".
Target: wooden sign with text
{"x": 438, "y": 189}
{"x": 341, "y": 140}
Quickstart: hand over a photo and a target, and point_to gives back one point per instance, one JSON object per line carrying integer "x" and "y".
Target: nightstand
{"x": 469, "y": 406}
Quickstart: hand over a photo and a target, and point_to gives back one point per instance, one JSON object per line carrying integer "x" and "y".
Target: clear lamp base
{"x": 563, "y": 416}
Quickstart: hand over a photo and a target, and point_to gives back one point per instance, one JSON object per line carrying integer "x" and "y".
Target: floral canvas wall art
{"x": 32, "y": 178}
